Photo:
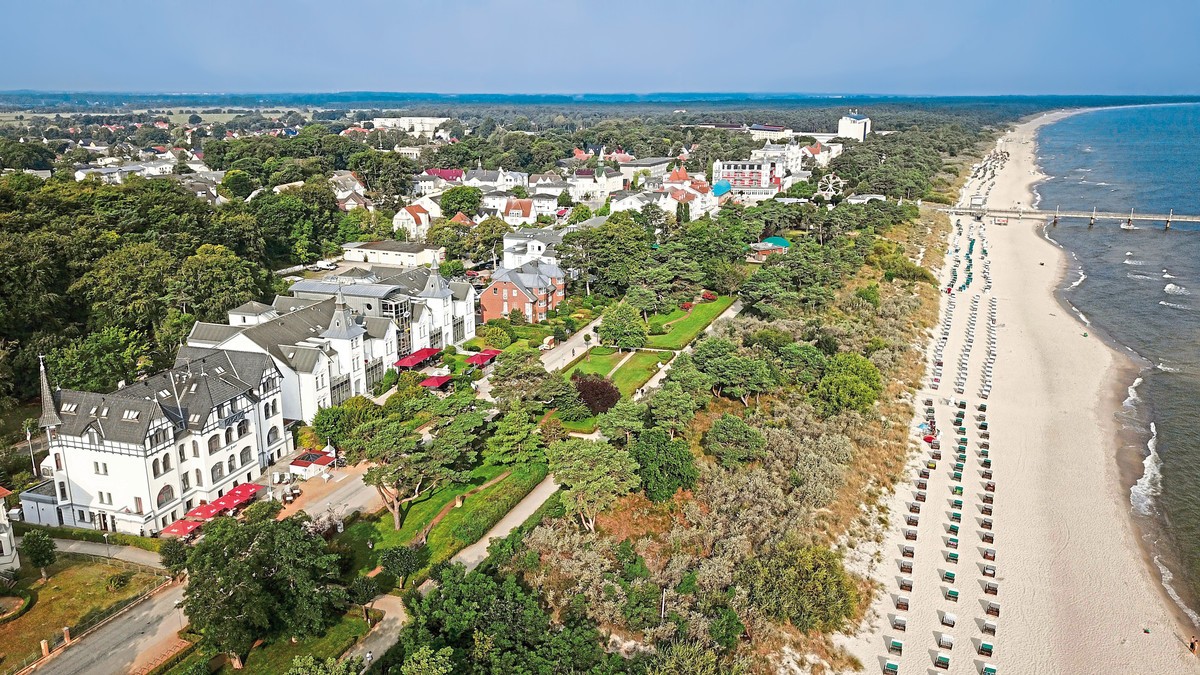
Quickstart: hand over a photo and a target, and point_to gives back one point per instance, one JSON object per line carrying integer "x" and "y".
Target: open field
{"x": 683, "y": 327}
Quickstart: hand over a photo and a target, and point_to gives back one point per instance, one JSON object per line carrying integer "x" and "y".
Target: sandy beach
{"x": 1074, "y": 590}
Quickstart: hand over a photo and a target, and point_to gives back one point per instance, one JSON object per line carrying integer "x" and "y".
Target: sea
{"x": 1141, "y": 289}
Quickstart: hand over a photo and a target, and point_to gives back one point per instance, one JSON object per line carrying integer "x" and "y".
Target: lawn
{"x": 380, "y": 531}
{"x": 584, "y": 426}
{"x": 639, "y": 369}
{"x": 683, "y": 327}
{"x": 77, "y": 591}
{"x": 276, "y": 657}
{"x": 481, "y": 511}
{"x": 598, "y": 361}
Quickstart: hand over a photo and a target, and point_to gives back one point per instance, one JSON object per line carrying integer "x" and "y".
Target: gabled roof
{"x": 461, "y": 218}
{"x": 253, "y": 308}
{"x": 519, "y": 207}
{"x": 530, "y": 276}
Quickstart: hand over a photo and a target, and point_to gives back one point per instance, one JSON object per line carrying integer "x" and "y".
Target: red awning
{"x": 480, "y": 359}
{"x": 492, "y": 352}
{"x": 204, "y": 512}
{"x": 180, "y": 528}
{"x": 243, "y": 493}
{"x": 225, "y": 503}
{"x": 437, "y": 381}
{"x": 416, "y": 357}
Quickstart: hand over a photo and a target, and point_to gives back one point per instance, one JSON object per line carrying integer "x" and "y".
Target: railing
{"x": 90, "y": 622}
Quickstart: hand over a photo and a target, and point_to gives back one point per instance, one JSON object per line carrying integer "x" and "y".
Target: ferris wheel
{"x": 830, "y": 184}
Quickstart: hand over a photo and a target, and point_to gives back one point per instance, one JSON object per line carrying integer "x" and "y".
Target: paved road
{"x": 142, "y": 632}
{"x": 476, "y": 553}
{"x": 126, "y": 553}
{"x": 385, "y": 633}
{"x": 570, "y": 348}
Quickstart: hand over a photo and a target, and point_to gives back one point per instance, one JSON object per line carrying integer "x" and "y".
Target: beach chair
{"x": 935, "y": 445}
{"x": 989, "y": 554}
{"x": 956, "y": 504}
{"x": 986, "y": 524}
{"x": 906, "y": 583}
{"x": 988, "y": 538}
{"x": 891, "y": 668}
{"x": 957, "y": 490}
{"x": 987, "y": 463}
{"x": 988, "y": 498}
{"x": 911, "y": 520}
{"x": 991, "y": 588}
{"x": 952, "y": 528}
{"x": 960, "y": 430}
{"x": 989, "y": 487}
{"x": 983, "y": 452}
{"x": 983, "y": 426}
{"x": 935, "y": 454}
{"x": 985, "y": 649}
{"x": 929, "y": 401}
{"x": 955, "y": 517}
{"x": 961, "y": 456}
{"x": 962, "y": 441}
{"x": 896, "y": 647}
{"x": 914, "y": 508}
{"x": 951, "y": 557}
{"x": 952, "y": 542}
{"x": 985, "y": 444}
{"x": 989, "y": 669}
{"x": 989, "y": 628}
{"x": 924, "y": 473}
{"x": 956, "y": 476}
{"x": 949, "y": 620}
{"x": 989, "y": 571}
{"x": 962, "y": 405}
{"x": 946, "y": 641}
{"x": 930, "y": 464}
{"x": 902, "y": 603}
{"x": 910, "y": 535}
{"x": 921, "y": 496}
{"x": 942, "y": 661}
{"x": 948, "y": 576}
{"x": 985, "y": 434}
{"x": 906, "y": 567}
{"x": 993, "y": 609}
{"x": 908, "y": 552}
{"x": 987, "y": 474}
{"x": 982, "y": 407}
{"x": 962, "y": 448}
{"x": 900, "y": 623}
{"x": 986, "y": 509}
{"x": 952, "y": 594}
{"x": 921, "y": 485}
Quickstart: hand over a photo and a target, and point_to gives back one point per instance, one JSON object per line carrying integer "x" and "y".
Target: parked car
{"x": 326, "y": 265}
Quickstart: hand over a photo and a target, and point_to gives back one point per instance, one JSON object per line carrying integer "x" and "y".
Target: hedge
{"x": 26, "y": 604}
{"x": 95, "y": 536}
{"x": 503, "y": 499}
{"x": 177, "y": 658}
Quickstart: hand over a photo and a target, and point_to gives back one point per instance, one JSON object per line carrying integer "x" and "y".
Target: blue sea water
{"x": 1142, "y": 289}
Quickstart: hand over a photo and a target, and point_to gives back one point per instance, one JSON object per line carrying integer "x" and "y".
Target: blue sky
{"x": 602, "y": 46}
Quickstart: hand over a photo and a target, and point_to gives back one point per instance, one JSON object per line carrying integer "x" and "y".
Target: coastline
{"x": 1079, "y": 589}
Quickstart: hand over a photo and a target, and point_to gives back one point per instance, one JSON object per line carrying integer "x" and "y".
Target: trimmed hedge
{"x": 504, "y": 498}
{"x": 26, "y": 604}
{"x": 94, "y": 536}
{"x": 175, "y": 659}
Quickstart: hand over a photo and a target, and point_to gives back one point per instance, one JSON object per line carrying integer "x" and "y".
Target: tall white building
{"x": 137, "y": 459}
{"x": 9, "y": 559}
{"x": 854, "y": 125}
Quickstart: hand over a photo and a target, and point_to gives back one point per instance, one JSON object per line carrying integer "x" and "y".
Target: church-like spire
{"x": 49, "y": 416}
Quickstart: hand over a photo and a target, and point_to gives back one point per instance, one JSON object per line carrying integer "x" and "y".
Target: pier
{"x": 1093, "y": 217}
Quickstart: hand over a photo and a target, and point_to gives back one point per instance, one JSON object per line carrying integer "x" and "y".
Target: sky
{"x": 915, "y": 47}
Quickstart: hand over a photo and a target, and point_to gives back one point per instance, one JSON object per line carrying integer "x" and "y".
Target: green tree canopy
{"x": 593, "y": 474}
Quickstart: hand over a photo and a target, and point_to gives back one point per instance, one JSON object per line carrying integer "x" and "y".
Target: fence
{"x": 91, "y": 621}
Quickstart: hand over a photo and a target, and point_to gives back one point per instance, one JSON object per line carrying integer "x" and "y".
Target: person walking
{"x": 1192, "y": 645}
{"x": 367, "y": 660}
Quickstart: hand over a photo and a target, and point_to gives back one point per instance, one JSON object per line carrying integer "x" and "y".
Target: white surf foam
{"x": 1172, "y": 289}
{"x": 1128, "y": 261}
{"x": 1172, "y": 305}
{"x": 1166, "y": 369}
{"x": 1133, "y": 395}
{"x": 1078, "y": 281}
{"x": 1167, "y": 578}
{"x": 1149, "y": 486}
{"x": 1131, "y": 275}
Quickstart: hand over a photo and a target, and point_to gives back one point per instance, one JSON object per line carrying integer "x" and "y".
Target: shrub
{"x": 118, "y": 581}
{"x": 494, "y": 336}
{"x": 173, "y": 554}
{"x": 687, "y": 306}
{"x": 450, "y": 349}
{"x": 708, "y": 296}
{"x": 733, "y": 441}
{"x": 806, "y": 585}
{"x": 870, "y": 294}
{"x": 597, "y": 393}
{"x": 657, "y": 328}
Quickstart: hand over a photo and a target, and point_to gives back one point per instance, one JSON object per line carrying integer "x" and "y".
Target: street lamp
{"x": 29, "y": 440}
{"x": 107, "y": 554}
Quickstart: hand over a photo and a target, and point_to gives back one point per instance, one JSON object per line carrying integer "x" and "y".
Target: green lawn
{"x": 481, "y": 511}
{"x": 276, "y": 657}
{"x": 584, "y": 426}
{"x": 380, "y": 531}
{"x": 76, "y": 591}
{"x": 684, "y": 327}
{"x": 600, "y": 362}
{"x": 639, "y": 369}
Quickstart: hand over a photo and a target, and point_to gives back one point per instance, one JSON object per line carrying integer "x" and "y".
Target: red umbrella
{"x": 204, "y": 512}
{"x": 929, "y": 439}
{"x": 180, "y": 528}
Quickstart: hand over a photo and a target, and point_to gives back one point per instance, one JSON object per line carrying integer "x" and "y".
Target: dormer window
{"x": 130, "y": 416}
{"x": 70, "y": 408}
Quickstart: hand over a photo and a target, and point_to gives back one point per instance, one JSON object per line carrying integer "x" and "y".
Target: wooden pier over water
{"x": 1093, "y": 217}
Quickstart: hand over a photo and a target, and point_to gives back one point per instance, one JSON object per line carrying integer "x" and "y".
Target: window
{"x": 105, "y": 498}
{"x": 245, "y": 456}
{"x": 228, "y": 436}
{"x": 157, "y": 469}
{"x": 273, "y": 435}
{"x": 182, "y": 454}
{"x": 218, "y": 472}
{"x": 166, "y": 462}
{"x": 275, "y": 407}
{"x": 165, "y": 496}
{"x": 99, "y": 471}
{"x": 243, "y": 428}
{"x": 214, "y": 444}
{"x": 195, "y": 448}
{"x": 62, "y": 490}
{"x": 199, "y": 478}
{"x": 185, "y": 481}
{"x": 232, "y": 465}
{"x": 137, "y": 505}
{"x": 266, "y": 410}
{"x": 57, "y": 462}
{"x": 130, "y": 415}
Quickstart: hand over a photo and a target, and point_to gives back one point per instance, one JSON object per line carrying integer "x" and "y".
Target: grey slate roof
{"x": 214, "y": 333}
{"x": 253, "y": 307}
{"x": 530, "y": 276}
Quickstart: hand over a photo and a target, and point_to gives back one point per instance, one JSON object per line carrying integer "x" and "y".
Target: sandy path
{"x": 1075, "y": 593}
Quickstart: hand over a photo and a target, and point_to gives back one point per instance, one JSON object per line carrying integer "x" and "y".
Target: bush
{"x": 494, "y": 336}
{"x": 450, "y": 350}
{"x": 115, "y": 538}
{"x": 597, "y": 393}
{"x": 806, "y": 585}
{"x": 390, "y": 376}
{"x": 173, "y": 554}
{"x": 118, "y": 581}
{"x": 733, "y": 441}
{"x": 708, "y": 296}
{"x": 687, "y": 306}
{"x": 657, "y": 328}
{"x": 870, "y": 294}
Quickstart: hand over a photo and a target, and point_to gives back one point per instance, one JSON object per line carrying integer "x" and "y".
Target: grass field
{"x": 600, "y": 362}
{"x": 638, "y": 370}
{"x": 584, "y": 426}
{"x": 77, "y": 590}
{"x": 683, "y": 327}
{"x": 276, "y": 657}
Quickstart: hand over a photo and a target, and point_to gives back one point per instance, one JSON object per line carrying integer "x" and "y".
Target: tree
{"x": 173, "y": 553}
{"x": 733, "y": 441}
{"x": 237, "y": 183}
{"x": 402, "y": 561}
{"x": 485, "y": 237}
{"x": 850, "y": 382}
{"x": 216, "y": 280}
{"x": 425, "y": 661}
{"x": 806, "y": 585}
{"x": 126, "y": 287}
{"x": 409, "y": 468}
{"x": 610, "y": 253}
{"x": 362, "y": 591}
{"x": 462, "y": 198}
{"x": 195, "y": 119}
{"x": 40, "y": 550}
{"x": 101, "y": 360}
{"x": 515, "y": 439}
{"x": 263, "y": 578}
{"x": 621, "y": 326}
{"x": 664, "y": 464}
{"x": 452, "y": 268}
{"x": 594, "y": 474}
{"x": 564, "y": 200}
{"x": 672, "y": 408}
{"x": 309, "y": 665}
{"x": 518, "y": 375}
{"x": 626, "y": 418}
{"x": 579, "y": 213}
{"x": 597, "y": 393}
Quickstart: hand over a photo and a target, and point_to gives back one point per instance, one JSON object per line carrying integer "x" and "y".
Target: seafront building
{"x": 137, "y": 459}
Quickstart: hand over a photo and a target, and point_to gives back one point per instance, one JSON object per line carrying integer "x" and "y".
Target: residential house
{"x": 519, "y": 212}
{"x": 544, "y": 204}
{"x": 496, "y": 180}
{"x": 628, "y": 200}
{"x": 653, "y": 167}
{"x": 694, "y": 191}
{"x": 533, "y": 288}
{"x": 821, "y": 153}
{"x": 761, "y": 250}
{"x": 594, "y": 185}
{"x": 495, "y": 200}
{"x": 393, "y": 253}
{"x": 415, "y": 126}
{"x": 137, "y": 459}
{"x": 413, "y": 219}
{"x": 408, "y": 151}
{"x": 788, "y": 156}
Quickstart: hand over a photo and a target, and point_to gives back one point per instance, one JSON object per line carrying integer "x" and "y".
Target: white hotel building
{"x": 137, "y": 459}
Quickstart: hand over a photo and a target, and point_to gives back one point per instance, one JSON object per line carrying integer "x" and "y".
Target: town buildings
{"x": 414, "y": 219}
{"x": 752, "y": 180}
{"x": 529, "y": 280}
{"x": 854, "y": 125}
{"x": 415, "y": 126}
{"x": 393, "y": 253}
{"x": 137, "y": 459}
